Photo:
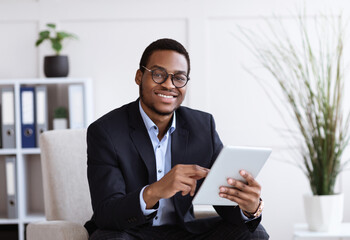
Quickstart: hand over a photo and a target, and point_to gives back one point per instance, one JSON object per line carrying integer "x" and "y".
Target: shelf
{"x": 6, "y": 221}
{"x": 30, "y": 150}
{"x": 43, "y": 81}
{"x": 13, "y": 151}
{"x": 301, "y": 231}
{"x": 9, "y": 151}
{"x": 34, "y": 217}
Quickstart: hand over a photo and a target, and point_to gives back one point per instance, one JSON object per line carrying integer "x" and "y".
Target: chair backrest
{"x": 66, "y": 190}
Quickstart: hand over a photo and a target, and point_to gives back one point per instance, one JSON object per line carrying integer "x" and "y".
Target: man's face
{"x": 161, "y": 99}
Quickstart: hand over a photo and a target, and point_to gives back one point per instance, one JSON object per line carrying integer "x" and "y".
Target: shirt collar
{"x": 150, "y": 124}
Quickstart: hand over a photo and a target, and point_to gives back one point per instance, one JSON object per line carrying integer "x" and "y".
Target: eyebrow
{"x": 176, "y": 72}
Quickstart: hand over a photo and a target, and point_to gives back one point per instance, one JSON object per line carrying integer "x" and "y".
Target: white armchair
{"x": 66, "y": 190}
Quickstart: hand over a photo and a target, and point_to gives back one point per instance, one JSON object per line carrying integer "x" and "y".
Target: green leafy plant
{"x": 55, "y": 37}
{"x": 60, "y": 112}
{"x": 310, "y": 75}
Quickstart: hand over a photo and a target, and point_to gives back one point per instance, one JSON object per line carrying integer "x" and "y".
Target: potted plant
{"x": 56, "y": 65}
{"x": 60, "y": 118}
{"x": 310, "y": 75}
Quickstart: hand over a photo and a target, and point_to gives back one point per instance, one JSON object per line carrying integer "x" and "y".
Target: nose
{"x": 168, "y": 83}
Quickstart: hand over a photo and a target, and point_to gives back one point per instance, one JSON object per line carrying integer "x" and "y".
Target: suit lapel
{"x": 141, "y": 140}
{"x": 179, "y": 144}
{"x": 179, "y": 140}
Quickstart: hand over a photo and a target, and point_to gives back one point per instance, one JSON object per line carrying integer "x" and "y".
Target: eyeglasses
{"x": 159, "y": 76}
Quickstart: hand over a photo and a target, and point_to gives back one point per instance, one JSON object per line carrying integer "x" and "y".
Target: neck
{"x": 161, "y": 121}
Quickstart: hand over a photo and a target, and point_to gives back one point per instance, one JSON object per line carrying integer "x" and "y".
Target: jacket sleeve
{"x": 113, "y": 208}
{"x": 231, "y": 214}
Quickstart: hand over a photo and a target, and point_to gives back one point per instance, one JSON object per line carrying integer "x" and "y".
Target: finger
{"x": 189, "y": 184}
{"x": 199, "y": 176}
{"x": 241, "y": 203}
{"x": 244, "y": 187}
{"x": 236, "y": 199}
{"x": 194, "y": 171}
{"x": 249, "y": 178}
{"x": 238, "y": 184}
{"x": 193, "y": 187}
{"x": 250, "y": 194}
{"x": 236, "y": 193}
{"x": 200, "y": 173}
{"x": 244, "y": 201}
{"x": 186, "y": 190}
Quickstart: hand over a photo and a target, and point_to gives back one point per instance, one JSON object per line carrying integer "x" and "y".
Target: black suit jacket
{"x": 121, "y": 162}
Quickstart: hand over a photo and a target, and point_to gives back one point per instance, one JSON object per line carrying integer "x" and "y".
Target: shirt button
{"x": 155, "y": 128}
{"x": 156, "y": 218}
{"x": 158, "y": 146}
{"x": 159, "y": 170}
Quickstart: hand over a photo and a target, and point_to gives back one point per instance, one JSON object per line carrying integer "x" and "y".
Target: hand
{"x": 181, "y": 178}
{"x": 247, "y": 195}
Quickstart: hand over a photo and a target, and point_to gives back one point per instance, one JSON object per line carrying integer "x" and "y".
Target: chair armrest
{"x": 204, "y": 211}
{"x": 56, "y": 230}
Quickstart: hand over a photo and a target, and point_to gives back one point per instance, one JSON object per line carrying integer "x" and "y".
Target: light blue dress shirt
{"x": 162, "y": 152}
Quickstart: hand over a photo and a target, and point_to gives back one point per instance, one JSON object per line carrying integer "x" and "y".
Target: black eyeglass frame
{"x": 166, "y": 77}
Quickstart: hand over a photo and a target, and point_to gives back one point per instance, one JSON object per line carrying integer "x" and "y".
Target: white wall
{"x": 112, "y": 36}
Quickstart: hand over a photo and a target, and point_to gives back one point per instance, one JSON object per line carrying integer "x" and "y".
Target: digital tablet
{"x": 228, "y": 164}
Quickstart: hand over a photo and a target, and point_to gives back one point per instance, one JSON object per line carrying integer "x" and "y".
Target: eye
{"x": 180, "y": 77}
{"x": 159, "y": 74}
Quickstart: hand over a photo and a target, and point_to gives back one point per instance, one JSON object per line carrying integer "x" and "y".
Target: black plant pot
{"x": 56, "y": 66}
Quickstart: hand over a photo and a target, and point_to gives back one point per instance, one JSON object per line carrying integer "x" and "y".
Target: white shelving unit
{"x": 301, "y": 231}
{"x": 28, "y": 167}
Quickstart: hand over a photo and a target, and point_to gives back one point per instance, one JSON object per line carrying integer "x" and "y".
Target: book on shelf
{"x": 41, "y": 111}
{"x": 76, "y": 106}
{"x": 28, "y": 117}
{"x": 11, "y": 187}
{"x": 8, "y": 132}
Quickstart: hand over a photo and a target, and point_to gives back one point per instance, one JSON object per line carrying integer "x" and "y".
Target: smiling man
{"x": 146, "y": 160}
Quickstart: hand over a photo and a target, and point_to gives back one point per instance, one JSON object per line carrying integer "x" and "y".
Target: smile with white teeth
{"x": 164, "y": 96}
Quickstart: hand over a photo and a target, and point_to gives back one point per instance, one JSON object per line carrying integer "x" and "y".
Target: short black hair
{"x": 164, "y": 44}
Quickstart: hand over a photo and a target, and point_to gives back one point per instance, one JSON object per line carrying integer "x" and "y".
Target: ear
{"x": 138, "y": 77}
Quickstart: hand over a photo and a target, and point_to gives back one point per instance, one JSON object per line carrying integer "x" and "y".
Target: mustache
{"x": 168, "y": 90}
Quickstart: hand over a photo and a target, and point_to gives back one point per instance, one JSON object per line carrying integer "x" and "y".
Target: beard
{"x": 152, "y": 107}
